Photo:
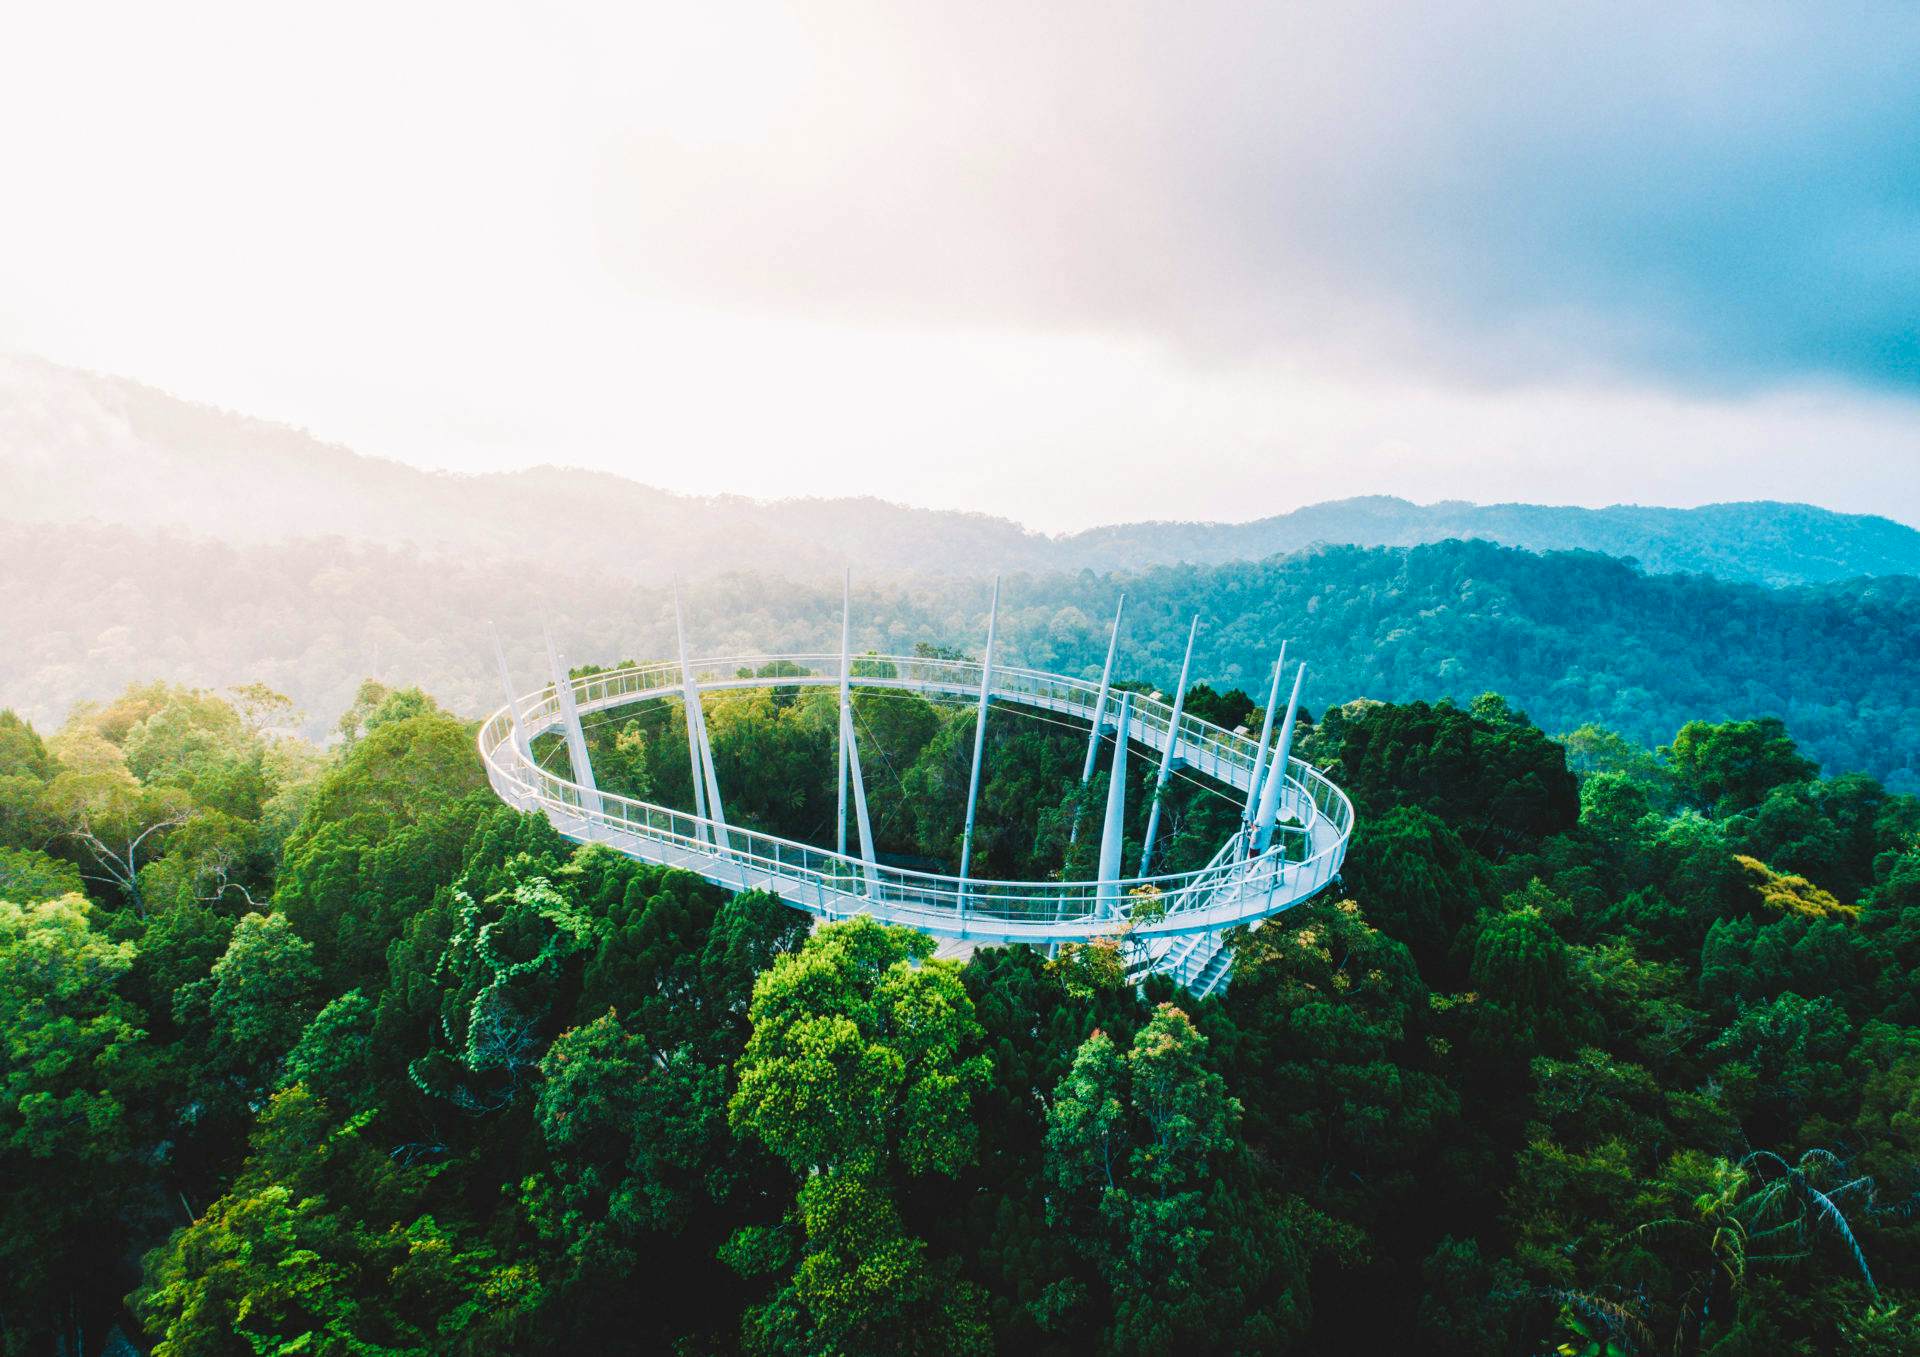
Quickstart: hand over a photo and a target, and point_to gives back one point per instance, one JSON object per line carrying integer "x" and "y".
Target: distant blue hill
{"x": 1756, "y": 541}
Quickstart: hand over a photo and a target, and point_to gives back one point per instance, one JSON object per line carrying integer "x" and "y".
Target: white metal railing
{"x": 1230, "y": 889}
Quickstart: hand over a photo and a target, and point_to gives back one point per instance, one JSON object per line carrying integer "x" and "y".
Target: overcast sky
{"x": 1070, "y": 263}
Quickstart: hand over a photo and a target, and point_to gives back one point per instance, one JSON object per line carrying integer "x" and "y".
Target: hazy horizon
{"x": 1249, "y": 515}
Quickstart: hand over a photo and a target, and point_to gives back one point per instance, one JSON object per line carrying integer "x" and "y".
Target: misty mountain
{"x": 1571, "y": 637}
{"x": 1758, "y": 541}
{"x": 78, "y": 447}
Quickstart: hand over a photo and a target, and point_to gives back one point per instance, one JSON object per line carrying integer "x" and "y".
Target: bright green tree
{"x": 322, "y": 1245}
{"x": 860, "y": 1074}
{"x": 1137, "y": 1148}
{"x": 1734, "y": 764}
{"x": 72, "y": 1057}
{"x": 260, "y": 993}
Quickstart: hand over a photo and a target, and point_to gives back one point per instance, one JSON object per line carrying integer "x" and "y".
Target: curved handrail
{"x": 1232, "y": 888}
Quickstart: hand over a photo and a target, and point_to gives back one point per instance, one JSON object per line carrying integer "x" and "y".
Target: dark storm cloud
{"x": 1721, "y": 195}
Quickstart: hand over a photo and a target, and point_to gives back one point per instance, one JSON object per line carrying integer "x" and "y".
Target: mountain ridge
{"x": 78, "y": 446}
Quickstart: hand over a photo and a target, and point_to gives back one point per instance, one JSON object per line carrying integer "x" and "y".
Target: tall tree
{"x": 1140, "y": 1152}
{"x": 72, "y": 1066}
{"x": 860, "y": 1074}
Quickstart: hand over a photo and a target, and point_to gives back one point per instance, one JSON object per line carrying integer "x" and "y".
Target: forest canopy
{"x": 1595, "y": 1048}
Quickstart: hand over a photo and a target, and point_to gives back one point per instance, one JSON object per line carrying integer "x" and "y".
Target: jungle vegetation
{"x": 1597, "y": 1048}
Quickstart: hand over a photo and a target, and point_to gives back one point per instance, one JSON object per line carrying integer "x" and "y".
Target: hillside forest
{"x": 1600, "y": 1046}
{"x": 1570, "y": 637}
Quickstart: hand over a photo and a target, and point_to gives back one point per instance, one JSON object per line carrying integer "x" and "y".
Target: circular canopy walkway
{"x": 1176, "y": 919}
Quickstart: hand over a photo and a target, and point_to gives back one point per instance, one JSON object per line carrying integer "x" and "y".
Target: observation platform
{"x": 1174, "y": 920}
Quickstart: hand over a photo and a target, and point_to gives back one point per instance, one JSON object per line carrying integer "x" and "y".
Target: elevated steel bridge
{"x": 1290, "y": 845}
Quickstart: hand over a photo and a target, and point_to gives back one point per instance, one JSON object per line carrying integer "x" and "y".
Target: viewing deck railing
{"x": 1235, "y": 887}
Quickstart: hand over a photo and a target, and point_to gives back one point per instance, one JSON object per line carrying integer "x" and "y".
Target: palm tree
{"x": 1760, "y": 1210}
{"x": 1793, "y": 1205}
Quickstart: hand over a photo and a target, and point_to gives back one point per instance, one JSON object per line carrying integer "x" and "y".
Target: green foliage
{"x": 332, "y": 1059}
{"x": 401, "y": 770}
{"x": 857, "y": 1055}
{"x": 1332, "y": 1012}
{"x": 28, "y": 876}
{"x": 23, "y": 754}
{"x": 629, "y": 1135}
{"x": 1733, "y": 765}
{"x": 72, "y": 1076}
{"x": 382, "y": 831}
{"x": 1420, "y": 880}
{"x": 261, "y": 992}
{"x": 375, "y": 705}
{"x": 858, "y": 1072}
{"x": 1137, "y": 1148}
{"x": 64, "y": 1029}
{"x": 501, "y": 975}
{"x": 403, "y": 1070}
{"x": 1523, "y": 972}
{"x": 323, "y": 1246}
{"x": 1488, "y": 772}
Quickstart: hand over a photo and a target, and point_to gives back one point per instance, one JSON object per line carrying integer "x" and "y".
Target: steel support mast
{"x": 1266, "y": 733}
{"x": 1276, "y": 780}
{"x": 576, "y": 737}
{"x": 1099, "y": 711}
{"x": 1113, "y": 831}
{"x": 980, "y": 733}
{"x": 1172, "y": 751}
{"x": 706, "y": 783}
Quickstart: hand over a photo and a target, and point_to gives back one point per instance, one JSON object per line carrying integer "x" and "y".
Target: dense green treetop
{"x": 1599, "y": 1046}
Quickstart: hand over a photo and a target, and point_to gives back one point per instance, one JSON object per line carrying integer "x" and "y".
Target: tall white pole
{"x": 1173, "y": 746}
{"x": 1114, "y": 830}
{"x": 1099, "y": 712}
{"x": 691, "y": 700}
{"x": 864, "y": 821}
{"x": 576, "y": 737}
{"x": 1100, "y": 702}
{"x": 980, "y": 733}
{"x": 516, "y": 730}
{"x": 846, "y": 701}
{"x": 706, "y": 783}
{"x": 1276, "y": 781}
{"x": 1266, "y": 733}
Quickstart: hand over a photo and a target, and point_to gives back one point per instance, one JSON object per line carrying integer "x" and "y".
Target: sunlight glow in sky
{"x": 1072, "y": 265}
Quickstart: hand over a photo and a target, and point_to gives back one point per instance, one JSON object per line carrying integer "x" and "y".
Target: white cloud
{"x": 1088, "y": 266}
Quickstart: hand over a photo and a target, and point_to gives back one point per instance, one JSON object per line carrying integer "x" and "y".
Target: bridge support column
{"x": 706, "y": 785}
{"x": 1114, "y": 830}
{"x": 846, "y": 677}
{"x": 1172, "y": 750}
{"x": 1276, "y": 780}
{"x": 850, "y": 747}
{"x": 576, "y": 737}
{"x": 1266, "y": 733}
{"x": 861, "y": 817}
{"x": 1099, "y": 712}
{"x": 979, "y": 739}
{"x": 518, "y": 731}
